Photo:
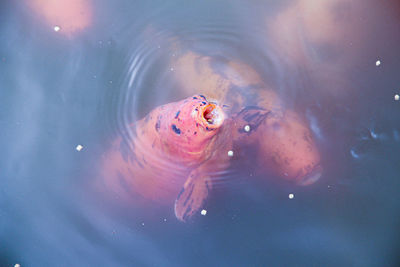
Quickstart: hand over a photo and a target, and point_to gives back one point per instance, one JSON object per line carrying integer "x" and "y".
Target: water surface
{"x": 335, "y": 63}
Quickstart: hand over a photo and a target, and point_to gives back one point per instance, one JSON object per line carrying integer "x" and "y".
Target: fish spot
{"x": 203, "y": 97}
{"x": 158, "y": 124}
{"x": 194, "y": 97}
{"x": 176, "y": 129}
{"x": 203, "y": 103}
{"x": 177, "y": 114}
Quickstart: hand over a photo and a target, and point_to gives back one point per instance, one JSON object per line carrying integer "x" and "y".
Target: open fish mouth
{"x": 211, "y": 115}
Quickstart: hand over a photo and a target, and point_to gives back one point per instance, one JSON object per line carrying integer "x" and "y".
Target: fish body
{"x": 280, "y": 139}
{"x": 179, "y": 150}
{"x": 282, "y": 142}
{"x": 173, "y": 148}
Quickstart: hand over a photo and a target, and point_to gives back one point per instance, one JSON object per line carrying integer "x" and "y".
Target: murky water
{"x": 82, "y": 72}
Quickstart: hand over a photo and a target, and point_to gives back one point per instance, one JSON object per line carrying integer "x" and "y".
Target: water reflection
{"x": 110, "y": 66}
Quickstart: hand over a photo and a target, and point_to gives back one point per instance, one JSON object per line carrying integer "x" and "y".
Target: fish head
{"x": 192, "y": 126}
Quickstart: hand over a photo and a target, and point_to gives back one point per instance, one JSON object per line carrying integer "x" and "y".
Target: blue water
{"x": 58, "y": 91}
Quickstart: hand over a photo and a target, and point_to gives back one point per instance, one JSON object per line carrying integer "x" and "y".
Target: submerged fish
{"x": 283, "y": 144}
{"x": 180, "y": 149}
{"x": 176, "y": 150}
{"x": 280, "y": 137}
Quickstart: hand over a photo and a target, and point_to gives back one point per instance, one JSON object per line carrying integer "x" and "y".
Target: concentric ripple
{"x": 152, "y": 78}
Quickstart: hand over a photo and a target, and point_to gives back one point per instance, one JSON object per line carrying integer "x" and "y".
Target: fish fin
{"x": 253, "y": 116}
{"x": 193, "y": 195}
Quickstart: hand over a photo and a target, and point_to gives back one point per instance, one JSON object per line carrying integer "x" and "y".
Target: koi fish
{"x": 176, "y": 150}
{"x": 284, "y": 143}
{"x": 70, "y": 17}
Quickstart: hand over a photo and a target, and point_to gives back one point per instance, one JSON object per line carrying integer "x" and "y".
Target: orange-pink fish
{"x": 67, "y": 16}
{"x": 179, "y": 149}
{"x": 175, "y": 151}
{"x": 281, "y": 138}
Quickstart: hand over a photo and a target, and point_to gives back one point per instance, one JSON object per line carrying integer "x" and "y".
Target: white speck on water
{"x": 165, "y": 219}
{"x": 230, "y": 153}
{"x": 142, "y": 223}
{"x": 291, "y": 196}
{"x": 203, "y": 212}
{"x": 172, "y": 69}
{"x": 79, "y": 147}
{"x": 247, "y": 128}
{"x": 378, "y": 62}
{"x": 56, "y": 28}
{"x": 110, "y": 81}
{"x": 397, "y": 97}
{"x": 17, "y": 265}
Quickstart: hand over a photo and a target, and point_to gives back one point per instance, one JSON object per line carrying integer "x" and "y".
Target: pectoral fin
{"x": 193, "y": 195}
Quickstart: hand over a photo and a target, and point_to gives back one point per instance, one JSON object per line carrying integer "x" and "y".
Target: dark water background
{"x": 59, "y": 91}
